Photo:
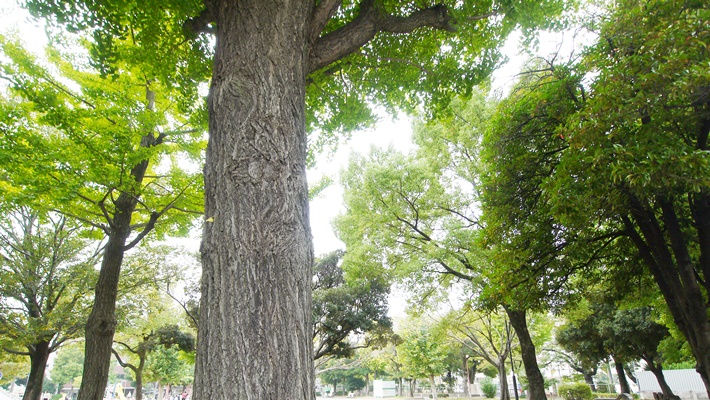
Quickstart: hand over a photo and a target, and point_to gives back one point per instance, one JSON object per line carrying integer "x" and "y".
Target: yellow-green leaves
{"x": 71, "y": 139}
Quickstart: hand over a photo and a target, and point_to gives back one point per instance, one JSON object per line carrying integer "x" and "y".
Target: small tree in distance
{"x": 423, "y": 357}
{"x": 46, "y": 274}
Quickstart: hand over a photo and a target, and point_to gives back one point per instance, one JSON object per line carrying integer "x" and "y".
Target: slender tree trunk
{"x": 657, "y": 371}
{"x": 432, "y": 384}
{"x": 412, "y": 387}
{"x": 255, "y": 314}
{"x": 589, "y": 380}
{"x": 536, "y": 382}
{"x": 503, "y": 380}
{"x": 38, "y": 364}
{"x": 623, "y": 382}
{"x": 139, "y": 381}
{"x": 466, "y": 376}
{"x": 101, "y": 324}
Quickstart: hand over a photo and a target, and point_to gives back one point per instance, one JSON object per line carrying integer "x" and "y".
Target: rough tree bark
{"x": 255, "y": 316}
{"x": 536, "y": 383}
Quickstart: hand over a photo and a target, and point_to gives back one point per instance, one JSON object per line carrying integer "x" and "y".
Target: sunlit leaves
{"x": 72, "y": 137}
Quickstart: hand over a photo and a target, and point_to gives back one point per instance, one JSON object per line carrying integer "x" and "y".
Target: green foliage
{"x": 13, "y": 366}
{"x": 421, "y": 354}
{"x": 399, "y": 72}
{"x": 68, "y": 365}
{"x": 344, "y": 305}
{"x": 351, "y": 379}
{"x": 168, "y": 366}
{"x": 406, "y": 220}
{"x": 680, "y": 365}
{"x": 575, "y": 391}
{"x": 488, "y": 388}
{"x": 489, "y": 371}
{"x": 46, "y": 278}
{"x": 72, "y": 138}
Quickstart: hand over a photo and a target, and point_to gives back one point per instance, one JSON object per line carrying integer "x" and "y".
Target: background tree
{"x": 165, "y": 336}
{"x": 634, "y": 334}
{"x": 68, "y": 366}
{"x": 418, "y": 213}
{"x": 13, "y": 366}
{"x": 488, "y": 335}
{"x": 46, "y": 273}
{"x": 169, "y": 366}
{"x": 638, "y": 153}
{"x": 89, "y": 145}
{"x": 146, "y": 275}
{"x": 345, "y": 305}
{"x": 423, "y": 357}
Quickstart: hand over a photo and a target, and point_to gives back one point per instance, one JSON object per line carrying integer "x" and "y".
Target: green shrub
{"x": 575, "y": 391}
{"x": 488, "y": 388}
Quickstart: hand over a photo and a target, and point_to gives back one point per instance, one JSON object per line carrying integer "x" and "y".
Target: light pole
{"x": 512, "y": 368}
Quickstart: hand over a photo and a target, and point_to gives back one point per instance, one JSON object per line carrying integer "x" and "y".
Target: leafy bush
{"x": 489, "y": 388}
{"x": 575, "y": 391}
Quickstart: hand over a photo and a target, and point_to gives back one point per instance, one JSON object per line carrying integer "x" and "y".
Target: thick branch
{"x": 322, "y": 13}
{"x": 148, "y": 227}
{"x": 372, "y": 20}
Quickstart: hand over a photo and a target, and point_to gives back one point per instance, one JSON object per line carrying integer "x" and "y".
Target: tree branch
{"x": 148, "y": 227}
{"x": 322, "y": 13}
{"x": 372, "y": 19}
{"x": 200, "y": 23}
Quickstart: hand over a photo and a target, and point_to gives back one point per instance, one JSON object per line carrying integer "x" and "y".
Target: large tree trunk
{"x": 536, "y": 383}
{"x": 255, "y": 314}
{"x": 623, "y": 382}
{"x": 38, "y": 364}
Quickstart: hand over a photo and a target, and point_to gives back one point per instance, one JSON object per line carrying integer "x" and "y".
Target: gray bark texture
{"x": 255, "y": 315}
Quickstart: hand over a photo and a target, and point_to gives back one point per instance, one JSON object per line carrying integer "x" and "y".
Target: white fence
{"x": 685, "y": 383}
